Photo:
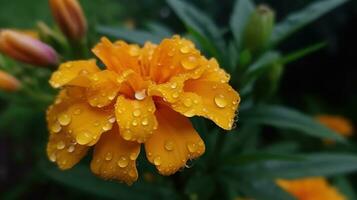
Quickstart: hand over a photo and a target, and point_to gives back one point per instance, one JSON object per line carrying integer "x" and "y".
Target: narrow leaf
{"x": 302, "y": 53}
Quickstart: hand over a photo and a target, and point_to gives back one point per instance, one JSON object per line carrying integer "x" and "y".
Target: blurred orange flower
{"x": 8, "y": 82}
{"x": 143, "y": 96}
{"x": 315, "y": 188}
{"x": 339, "y": 124}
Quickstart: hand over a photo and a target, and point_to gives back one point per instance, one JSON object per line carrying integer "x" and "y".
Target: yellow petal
{"x": 173, "y": 143}
{"x": 119, "y": 56}
{"x": 84, "y": 122}
{"x": 73, "y": 73}
{"x": 64, "y": 150}
{"x": 215, "y": 101}
{"x": 103, "y": 88}
{"x": 114, "y": 158}
{"x": 136, "y": 118}
{"x": 172, "y": 57}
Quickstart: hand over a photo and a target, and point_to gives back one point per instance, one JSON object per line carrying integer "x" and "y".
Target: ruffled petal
{"x": 172, "y": 57}
{"x": 84, "y": 122}
{"x": 215, "y": 101}
{"x": 118, "y": 56}
{"x": 173, "y": 143}
{"x": 136, "y": 118}
{"x": 73, "y": 73}
{"x": 64, "y": 150}
{"x": 114, "y": 158}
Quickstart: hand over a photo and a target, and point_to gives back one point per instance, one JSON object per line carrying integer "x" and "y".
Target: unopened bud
{"x": 8, "y": 82}
{"x": 70, "y": 18}
{"x": 27, "y": 49}
{"x": 259, "y": 28}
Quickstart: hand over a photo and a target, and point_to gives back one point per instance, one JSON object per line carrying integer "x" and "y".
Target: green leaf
{"x": 81, "y": 178}
{"x": 299, "y": 19}
{"x": 198, "y": 22}
{"x": 345, "y": 187}
{"x": 135, "y": 36}
{"x": 240, "y": 16}
{"x": 200, "y": 186}
{"x": 287, "y": 118}
{"x": 159, "y": 29}
{"x": 317, "y": 164}
{"x": 261, "y": 64}
{"x": 291, "y": 57}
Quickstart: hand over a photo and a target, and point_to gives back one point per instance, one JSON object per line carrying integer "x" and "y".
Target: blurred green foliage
{"x": 243, "y": 163}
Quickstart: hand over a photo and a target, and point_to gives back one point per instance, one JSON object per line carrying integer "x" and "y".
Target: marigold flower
{"x": 339, "y": 124}
{"x": 315, "y": 188}
{"x": 8, "y": 82}
{"x": 69, "y": 17}
{"x": 26, "y": 48}
{"x": 143, "y": 96}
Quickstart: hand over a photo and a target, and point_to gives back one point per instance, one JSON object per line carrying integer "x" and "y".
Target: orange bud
{"x": 27, "y": 49}
{"x": 8, "y": 82}
{"x": 70, "y": 18}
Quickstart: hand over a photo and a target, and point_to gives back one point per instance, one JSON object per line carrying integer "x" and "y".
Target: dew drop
{"x": 175, "y": 95}
{"x": 157, "y": 161}
{"x": 134, "y": 51}
{"x": 185, "y": 49}
{"x": 77, "y": 111}
{"x": 127, "y": 135}
{"x": 192, "y": 147}
{"x": 137, "y": 113}
{"x": 145, "y": 122}
{"x": 189, "y": 63}
{"x": 220, "y": 101}
{"x": 133, "y": 156}
{"x": 134, "y": 123}
{"x": 53, "y": 157}
{"x": 108, "y": 156}
{"x": 123, "y": 162}
{"x": 174, "y": 85}
{"x": 83, "y": 138}
{"x": 187, "y": 102}
{"x": 140, "y": 95}
{"x": 169, "y": 145}
{"x": 111, "y": 120}
{"x": 71, "y": 149}
{"x": 107, "y": 126}
{"x": 60, "y": 145}
{"x": 132, "y": 173}
{"x": 56, "y": 127}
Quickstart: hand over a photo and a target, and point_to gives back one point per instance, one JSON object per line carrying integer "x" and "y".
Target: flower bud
{"x": 70, "y": 18}
{"x": 27, "y": 49}
{"x": 259, "y": 28}
{"x": 8, "y": 82}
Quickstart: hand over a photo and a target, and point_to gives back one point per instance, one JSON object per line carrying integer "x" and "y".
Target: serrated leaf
{"x": 240, "y": 16}
{"x": 287, "y": 118}
{"x": 299, "y": 19}
{"x": 135, "y": 36}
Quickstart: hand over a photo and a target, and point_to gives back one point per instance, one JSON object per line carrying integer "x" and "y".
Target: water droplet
{"x": 145, "y": 122}
{"x": 53, "y": 157}
{"x": 137, "y": 113}
{"x": 192, "y": 147}
{"x": 84, "y": 138}
{"x": 111, "y": 120}
{"x": 175, "y": 95}
{"x": 61, "y": 145}
{"x": 134, "y": 123}
{"x": 185, "y": 49}
{"x": 157, "y": 161}
{"x": 169, "y": 145}
{"x": 56, "y": 127}
{"x": 107, "y": 126}
{"x": 140, "y": 95}
{"x": 189, "y": 63}
{"x": 133, "y": 156}
{"x": 127, "y": 135}
{"x": 123, "y": 162}
{"x": 96, "y": 123}
{"x": 108, "y": 156}
{"x": 83, "y": 72}
{"x": 173, "y": 85}
{"x": 187, "y": 102}
{"x": 95, "y": 77}
{"x": 132, "y": 173}
{"x": 134, "y": 51}
{"x": 220, "y": 101}
{"x": 77, "y": 111}
{"x": 71, "y": 149}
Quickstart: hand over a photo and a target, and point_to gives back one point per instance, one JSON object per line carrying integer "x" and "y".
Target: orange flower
{"x": 316, "y": 188}
{"x": 339, "y": 124}
{"x": 27, "y": 49}
{"x": 143, "y": 96}
{"x": 70, "y": 18}
{"x": 8, "y": 82}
